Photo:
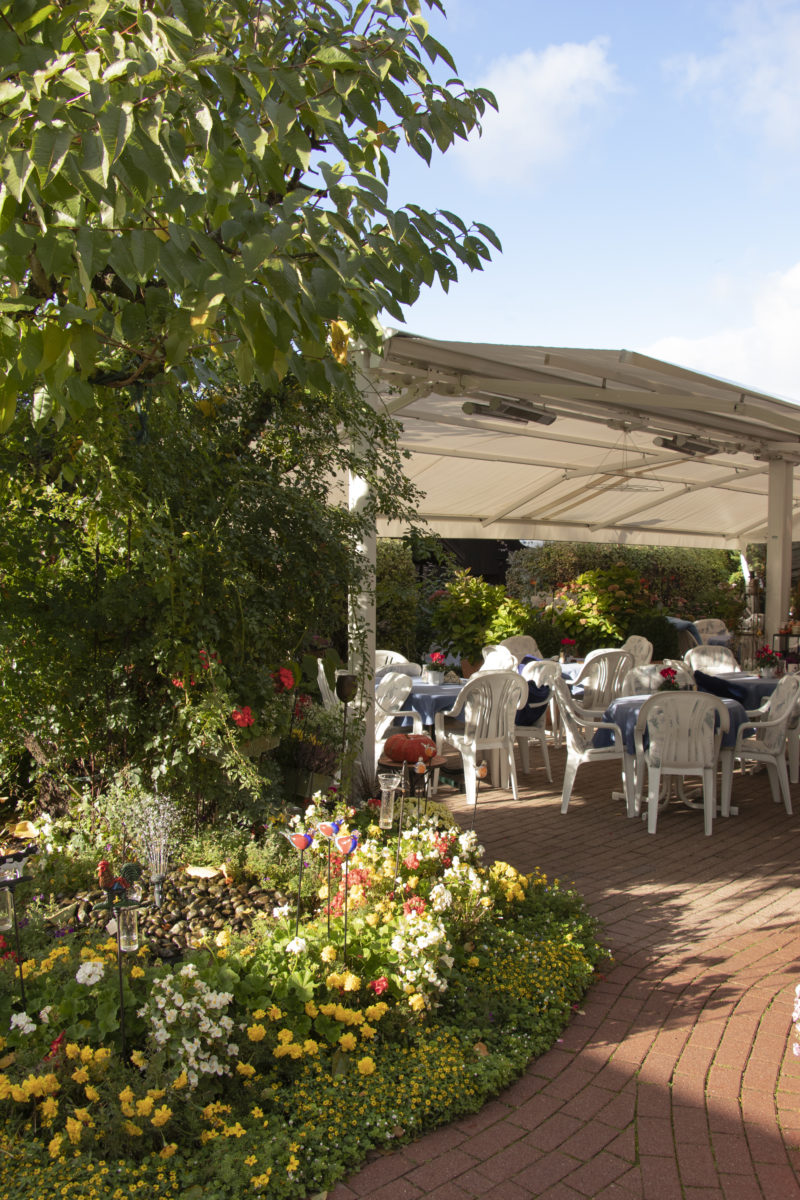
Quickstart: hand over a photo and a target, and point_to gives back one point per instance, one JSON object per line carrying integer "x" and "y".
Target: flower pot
{"x": 431, "y": 675}
{"x": 768, "y": 672}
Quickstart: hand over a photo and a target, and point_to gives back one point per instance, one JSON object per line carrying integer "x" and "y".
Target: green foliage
{"x": 397, "y": 598}
{"x": 465, "y": 613}
{"x": 152, "y": 589}
{"x": 213, "y": 174}
{"x": 597, "y": 607}
{"x": 685, "y": 582}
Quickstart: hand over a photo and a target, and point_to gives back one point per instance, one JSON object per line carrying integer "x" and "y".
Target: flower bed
{"x": 272, "y": 1063}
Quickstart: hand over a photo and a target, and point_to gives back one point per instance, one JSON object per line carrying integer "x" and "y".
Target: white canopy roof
{"x": 537, "y": 442}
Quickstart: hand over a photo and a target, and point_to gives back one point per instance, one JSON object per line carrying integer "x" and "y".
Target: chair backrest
{"x": 684, "y": 729}
{"x": 402, "y": 668}
{"x": 641, "y": 648}
{"x": 327, "y": 694}
{"x": 601, "y": 678}
{"x": 684, "y": 676}
{"x": 543, "y": 673}
{"x": 781, "y": 710}
{"x": 640, "y": 680}
{"x": 488, "y": 702}
{"x": 390, "y": 695}
{"x": 578, "y": 738}
{"x": 385, "y": 658}
{"x": 521, "y": 644}
{"x": 710, "y": 627}
{"x": 714, "y": 660}
{"x": 498, "y": 658}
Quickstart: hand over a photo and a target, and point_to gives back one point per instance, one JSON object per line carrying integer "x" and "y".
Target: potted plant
{"x": 767, "y": 661}
{"x": 435, "y": 664}
{"x": 311, "y": 751}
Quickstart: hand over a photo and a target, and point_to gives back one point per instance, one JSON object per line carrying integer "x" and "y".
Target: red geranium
{"x": 283, "y": 680}
{"x": 242, "y": 716}
{"x": 379, "y": 986}
{"x": 411, "y": 861}
{"x": 415, "y": 905}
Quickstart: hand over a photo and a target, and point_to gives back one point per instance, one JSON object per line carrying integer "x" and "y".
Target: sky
{"x": 642, "y": 174}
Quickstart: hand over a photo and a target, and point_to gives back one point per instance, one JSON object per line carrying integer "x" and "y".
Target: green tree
{"x": 212, "y": 174}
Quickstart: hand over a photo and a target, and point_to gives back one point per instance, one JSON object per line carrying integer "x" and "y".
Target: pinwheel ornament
{"x": 329, "y": 830}
{"x": 301, "y": 842}
{"x": 345, "y": 843}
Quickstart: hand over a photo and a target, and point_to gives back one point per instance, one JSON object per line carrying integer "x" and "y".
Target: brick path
{"x": 676, "y": 1080}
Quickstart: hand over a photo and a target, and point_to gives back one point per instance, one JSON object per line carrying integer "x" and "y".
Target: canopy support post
{"x": 779, "y": 545}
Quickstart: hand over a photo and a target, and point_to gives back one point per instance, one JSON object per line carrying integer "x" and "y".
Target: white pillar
{"x": 779, "y": 545}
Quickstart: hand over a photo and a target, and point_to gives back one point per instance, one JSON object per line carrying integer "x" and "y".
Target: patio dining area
{"x": 675, "y": 1080}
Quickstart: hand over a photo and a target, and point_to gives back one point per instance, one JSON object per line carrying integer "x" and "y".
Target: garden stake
{"x": 403, "y": 789}
{"x": 420, "y": 769}
{"x": 480, "y": 773}
{"x": 346, "y": 688}
{"x": 301, "y": 842}
{"x": 329, "y": 830}
{"x": 117, "y": 902}
{"x": 346, "y": 844}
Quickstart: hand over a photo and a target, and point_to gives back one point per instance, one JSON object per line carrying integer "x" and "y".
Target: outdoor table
{"x": 624, "y": 712}
{"x": 429, "y": 698}
{"x": 749, "y": 690}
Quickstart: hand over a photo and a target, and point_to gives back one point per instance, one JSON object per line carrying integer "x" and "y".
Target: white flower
{"x": 296, "y": 946}
{"x": 44, "y": 1015}
{"x": 280, "y": 910}
{"x": 23, "y": 1022}
{"x": 90, "y": 973}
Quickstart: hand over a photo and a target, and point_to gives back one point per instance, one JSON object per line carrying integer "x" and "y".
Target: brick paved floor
{"x": 676, "y": 1079}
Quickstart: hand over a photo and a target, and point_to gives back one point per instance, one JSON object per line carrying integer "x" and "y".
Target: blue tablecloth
{"x": 429, "y": 698}
{"x": 625, "y": 710}
{"x": 749, "y": 690}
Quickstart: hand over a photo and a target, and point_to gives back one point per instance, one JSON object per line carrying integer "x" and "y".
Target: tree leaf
{"x": 116, "y": 126}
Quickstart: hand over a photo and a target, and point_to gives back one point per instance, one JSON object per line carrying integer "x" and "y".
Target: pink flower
{"x": 411, "y": 861}
{"x": 379, "y": 986}
{"x": 177, "y": 683}
{"x": 436, "y": 658}
{"x": 242, "y": 716}
{"x": 415, "y": 905}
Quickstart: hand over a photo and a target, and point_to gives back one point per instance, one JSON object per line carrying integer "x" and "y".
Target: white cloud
{"x": 763, "y": 354}
{"x": 545, "y": 101}
{"x": 755, "y": 74}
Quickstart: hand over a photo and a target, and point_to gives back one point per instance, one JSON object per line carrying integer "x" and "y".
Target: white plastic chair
{"x": 601, "y": 678}
{"x": 714, "y": 660}
{"x": 684, "y": 731}
{"x": 488, "y": 702}
{"x": 640, "y": 648}
{"x": 390, "y": 695}
{"x": 498, "y": 658}
{"x": 763, "y": 738}
{"x": 579, "y": 729}
{"x": 521, "y": 644}
{"x": 715, "y": 627}
{"x": 385, "y": 658}
{"x": 543, "y": 674}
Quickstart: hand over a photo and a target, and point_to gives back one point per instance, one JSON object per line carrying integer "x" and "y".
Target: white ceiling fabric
{"x": 595, "y": 473}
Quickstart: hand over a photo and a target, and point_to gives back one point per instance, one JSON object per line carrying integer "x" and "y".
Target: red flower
{"x": 300, "y": 705}
{"x": 373, "y": 802}
{"x": 178, "y": 683}
{"x": 242, "y": 716}
{"x": 411, "y": 861}
{"x": 55, "y": 1045}
{"x": 415, "y": 905}
{"x": 379, "y": 986}
{"x": 566, "y": 641}
{"x": 283, "y": 680}
{"x": 437, "y": 658}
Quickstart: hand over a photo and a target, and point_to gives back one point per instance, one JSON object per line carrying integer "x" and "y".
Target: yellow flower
{"x": 54, "y": 1146}
{"x": 80, "y": 1075}
{"x": 251, "y": 1160}
{"x": 256, "y": 1112}
{"x": 91, "y": 1092}
{"x": 351, "y": 982}
{"x": 131, "y": 1129}
{"x": 126, "y": 1095}
{"x": 181, "y": 1081}
{"x": 144, "y": 1107}
{"x": 310, "y": 1046}
{"x": 168, "y": 1151}
{"x": 87, "y": 1054}
{"x": 274, "y": 1013}
{"x": 72, "y": 1050}
{"x": 257, "y": 1033}
{"x": 223, "y": 938}
{"x": 137, "y": 973}
{"x": 295, "y": 1050}
{"x": 49, "y": 1108}
{"x": 366, "y": 1066}
{"x": 473, "y": 961}
{"x": 348, "y": 1041}
{"x": 311, "y": 1009}
{"x": 103, "y": 1054}
{"x": 156, "y": 1093}
{"x": 417, "y": 1002}
{"x": 161, "y": 1116}
{"x": 259, "y": 1014}
{"x": 376, "y": 1011}
{"x": 328, "y": 954}
{"x": 74, "y": 1130}
{"x": 261, "y": 1181}
{"x": 246, "y": 1069}
{"x": 367, "y": 1033}
{"x": 371, "y": 918}
{"x": 292, "y": 1164}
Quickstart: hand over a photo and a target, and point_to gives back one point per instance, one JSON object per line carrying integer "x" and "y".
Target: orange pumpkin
{"x": 404, "y": 747}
